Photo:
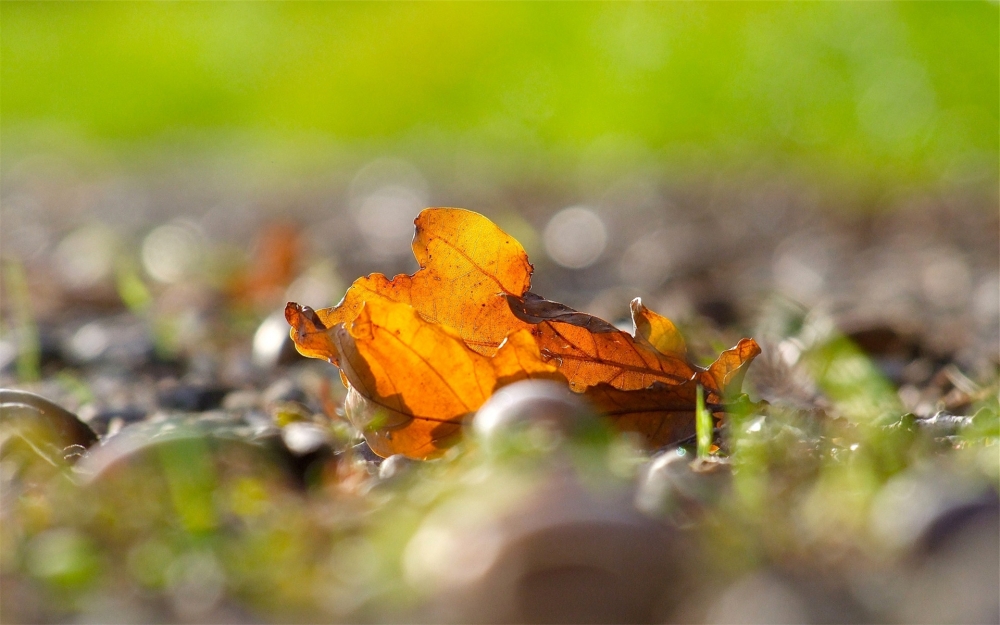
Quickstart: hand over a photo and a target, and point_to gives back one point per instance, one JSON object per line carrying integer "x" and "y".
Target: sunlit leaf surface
{"x": 420, "y": 379}
{"x": 421, "y": 352}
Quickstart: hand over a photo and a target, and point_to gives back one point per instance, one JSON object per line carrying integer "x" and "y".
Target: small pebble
{"x": 302, "y": 437}
{"x": 560, "y": 551}
{"x": 675, "y": 486}
{"x": 272, "y": 345}
{"x": 528, "y": 404}
{"x": 123, "y": 340}
{"x": 101, "y": 420}
{"x": 394, "y": 466}
{"x": 142, "y": 443}
{"x": 50, "y": 352}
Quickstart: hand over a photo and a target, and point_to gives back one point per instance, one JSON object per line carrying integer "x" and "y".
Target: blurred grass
{"x": 878, "y": 94}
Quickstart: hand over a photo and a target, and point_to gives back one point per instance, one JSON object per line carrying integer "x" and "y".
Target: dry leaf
{"x": 312, "y": 337}
{"x": 724, "y": 378}
{"x": 467, "y": 267}
{"x": 657, "y": 331}
{"x": 420, "y": 352}
{"x": 664, "y": 413}
{"x": 590, "y": 351}
{"x": 412, "y": 382}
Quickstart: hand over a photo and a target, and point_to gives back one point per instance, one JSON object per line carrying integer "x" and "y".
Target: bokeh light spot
{"x": 575, "y": 237}
{"x": 172, "y": 251}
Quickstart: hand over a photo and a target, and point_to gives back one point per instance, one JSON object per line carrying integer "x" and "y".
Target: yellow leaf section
{"x": 413, "y": 382}
{"x": 468, "y": 266}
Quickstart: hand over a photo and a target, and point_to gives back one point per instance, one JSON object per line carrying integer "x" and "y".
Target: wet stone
{"x": 890, "y": 349}
{"x": 561, "y": 551}
{"x": 309, "y": 446}
{"x": 8, "y": 355}
{"x": 38, "y": 440}
{"x": 241, "y": 399}
{"x": 303, "y": 438}
{"x": 722, "y": 312}
{"x": 123, "y": 341}
{"x": 50, "y": 353}
{"x": 26, "y": 412}
{"x": 770, "y": 595}
{"x": 961, "y": 518}
{"x": 951, "y": 569}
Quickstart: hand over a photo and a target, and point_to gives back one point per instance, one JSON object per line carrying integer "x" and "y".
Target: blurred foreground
{"x": 226, "y": 485}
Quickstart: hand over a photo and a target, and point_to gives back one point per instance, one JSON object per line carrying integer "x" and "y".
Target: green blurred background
{"x": 855, "y": 95}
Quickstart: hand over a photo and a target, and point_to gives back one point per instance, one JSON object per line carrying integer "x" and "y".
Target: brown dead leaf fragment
{"x": 590, "y": 351}
{"x": 664, "y": 413}
{"x": 724, "y": 378}
{"x": 467, "y": 267}
{"x": 312, "y": 338}
{"x": 412, "y": 382}
{"x": 642, "y": 383}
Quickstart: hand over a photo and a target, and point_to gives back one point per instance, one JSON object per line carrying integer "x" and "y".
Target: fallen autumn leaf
{"x": 420, "y": 352}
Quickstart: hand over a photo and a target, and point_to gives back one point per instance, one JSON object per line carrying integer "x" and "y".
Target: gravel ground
{"x": 149, "y": 307}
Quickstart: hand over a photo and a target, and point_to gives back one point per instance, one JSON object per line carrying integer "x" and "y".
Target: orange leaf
{"x": 664, "y": 413}
{"x": 413, "y": 382}
{"x": 421, "y": 352}
{"x": 467, "y": 267}
{"x": 725, "y": 376}
{"x": 311, "y": 336}
{"x": 656, "y": 330}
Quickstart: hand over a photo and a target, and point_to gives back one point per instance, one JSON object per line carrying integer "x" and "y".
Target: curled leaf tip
{"x": 656, "y": 331}
{"x": 311, "y": 336}
{"x": 725, "y": 375}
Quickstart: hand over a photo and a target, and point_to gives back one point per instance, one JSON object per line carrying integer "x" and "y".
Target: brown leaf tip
{"x": 294, "y": 312}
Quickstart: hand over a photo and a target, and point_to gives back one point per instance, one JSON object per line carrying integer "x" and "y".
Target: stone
{"x": 532, "y": 404}
{"x": 552, "y": 550}
{"x": 41, "y": 422}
